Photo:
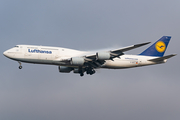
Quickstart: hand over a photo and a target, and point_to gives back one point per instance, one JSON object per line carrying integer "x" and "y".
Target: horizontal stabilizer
{"x": 162, "y": 58}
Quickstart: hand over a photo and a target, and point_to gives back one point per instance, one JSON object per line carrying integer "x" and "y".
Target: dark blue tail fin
{"x": 158, "y": 48}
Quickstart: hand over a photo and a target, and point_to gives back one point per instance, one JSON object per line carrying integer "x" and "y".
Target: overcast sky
{"x": 40, "y": 92}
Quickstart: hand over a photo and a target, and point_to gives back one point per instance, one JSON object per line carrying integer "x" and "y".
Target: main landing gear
{"x": 81, "y": 74}
{"x": 20, "y": 67}
{"x": 91, "y": 71}
{"x": 88, "y": 70}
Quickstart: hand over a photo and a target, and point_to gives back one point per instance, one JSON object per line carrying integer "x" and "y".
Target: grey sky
{"x": 39, "y": 92}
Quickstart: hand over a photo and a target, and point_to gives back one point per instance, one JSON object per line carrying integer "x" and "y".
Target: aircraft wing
{"x": 119, "y": 52}
{"x": 91, "y": 60}
{"x": 129, "y": 47}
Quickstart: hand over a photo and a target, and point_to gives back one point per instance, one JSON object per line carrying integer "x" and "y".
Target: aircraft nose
{"x": 8, "y": 54}
{"x": 5, "y": 53}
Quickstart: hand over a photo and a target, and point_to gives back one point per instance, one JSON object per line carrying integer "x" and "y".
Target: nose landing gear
{"x": 20, "y": 67}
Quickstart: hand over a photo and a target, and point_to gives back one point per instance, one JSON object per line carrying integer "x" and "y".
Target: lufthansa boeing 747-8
{"x": 79, "y": 62}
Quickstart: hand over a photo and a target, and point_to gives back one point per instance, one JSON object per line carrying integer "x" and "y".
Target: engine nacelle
{"x": 65, "y": 69}
{"x": 103, "y": 55}
{"x": 77, "y": 61}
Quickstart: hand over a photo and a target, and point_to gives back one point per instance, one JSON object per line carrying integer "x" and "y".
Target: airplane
{"x": 80, "y": 62}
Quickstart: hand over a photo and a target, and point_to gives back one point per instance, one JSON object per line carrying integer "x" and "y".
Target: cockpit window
{"x": 16, "y": 46}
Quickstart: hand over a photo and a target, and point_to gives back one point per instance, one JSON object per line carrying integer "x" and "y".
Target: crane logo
{"x": 160, "y": 46}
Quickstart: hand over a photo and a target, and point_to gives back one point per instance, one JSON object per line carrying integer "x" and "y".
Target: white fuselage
{"x": 55, "y": 55}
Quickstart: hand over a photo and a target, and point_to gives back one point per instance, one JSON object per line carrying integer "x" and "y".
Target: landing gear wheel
{"x": 81, "y": 74}
{"x": 90, "y": 71}
{"x": 20, "y": 67}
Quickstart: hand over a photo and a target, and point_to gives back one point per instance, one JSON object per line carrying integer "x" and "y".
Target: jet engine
{"x": 103, "y": 55}
{"x": 65, "y": 69}
{"x": 77, "y": 61}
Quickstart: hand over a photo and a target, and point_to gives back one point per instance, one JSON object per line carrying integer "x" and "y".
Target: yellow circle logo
{"x": 160, "y": 46}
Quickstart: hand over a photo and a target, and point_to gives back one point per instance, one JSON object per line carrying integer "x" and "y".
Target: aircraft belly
{"x": 119, "y": 64}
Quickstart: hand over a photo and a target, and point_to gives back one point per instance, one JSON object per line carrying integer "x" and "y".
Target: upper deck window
{"x": 16, "y": 46}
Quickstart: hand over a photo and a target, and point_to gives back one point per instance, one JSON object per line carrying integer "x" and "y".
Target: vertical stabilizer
{"x": 158, "y": 48}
